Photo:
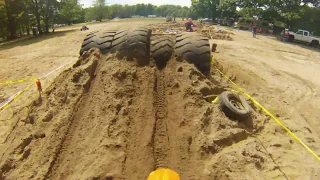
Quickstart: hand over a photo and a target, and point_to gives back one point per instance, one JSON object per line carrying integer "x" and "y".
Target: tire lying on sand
{"x": 161, "y": 49}
{"x": 194, "y": 48}
{"x": 234, "y": 106}
{"x": 133, "y": 43}
{"x": 101, "y": 40}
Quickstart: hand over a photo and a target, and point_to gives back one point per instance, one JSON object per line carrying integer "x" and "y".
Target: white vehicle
{"x": 304, "y": 36}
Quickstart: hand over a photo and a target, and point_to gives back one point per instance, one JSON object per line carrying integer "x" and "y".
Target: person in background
{"x": 219, "y": 30}
{"x": 287, "y": 35}
{"x": 254, "y": 30}
{"x": 189, "y": 24}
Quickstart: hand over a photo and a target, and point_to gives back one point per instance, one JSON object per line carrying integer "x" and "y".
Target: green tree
{"x": 70, "y": 10}
{"x": 100, "y": 9}
{"x": 116, "y": 10}
{"x": 13, "y": 12}
{"x": 150, "y": 9}
{"x": 49, "y": 9}
{"x": 228, "y": 10}
{"x": 205, "y": 8}
{"x": 3, "y": 22}
{"x": 141, "y": 10}
{"x": 127, "y": 11}
{"x": 36, "y": 6}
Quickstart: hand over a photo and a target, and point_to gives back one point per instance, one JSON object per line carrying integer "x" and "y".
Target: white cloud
{"x": 88, "y": 3}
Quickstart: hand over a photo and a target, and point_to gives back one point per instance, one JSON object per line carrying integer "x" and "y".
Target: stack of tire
{"x": 137, "y": 44}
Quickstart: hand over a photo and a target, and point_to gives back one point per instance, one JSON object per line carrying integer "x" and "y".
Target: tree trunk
{"x": 28, "y": 29}
{"x": 214, "y": 9}
{"x": 47, "y": 17}
{"x": 46, "y": 22}
{"x": 38, "y": 23}
{"x": 21, "y": 31}
{"x": 11, "y": 25}
{"x": 47, "y": 28}
{"x": 37, "y": 14}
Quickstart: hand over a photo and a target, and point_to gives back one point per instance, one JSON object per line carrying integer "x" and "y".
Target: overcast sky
{"x": 88, "y": 3}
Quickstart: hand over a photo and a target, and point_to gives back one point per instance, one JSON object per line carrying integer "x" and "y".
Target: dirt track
{"x": 100, "y": 119}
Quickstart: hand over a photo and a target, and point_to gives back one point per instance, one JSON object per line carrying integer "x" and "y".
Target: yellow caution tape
{"x": 235, "y": 91}
{"x": 15, "y": 96}
{"x": 215, "y": 100}
{"x": 33, "y": 79}
{"x": 18, "y": 81}
{"x": 10, "y": 100}
{"x": 212, "y": 60}
{"x": 271, "y": 115}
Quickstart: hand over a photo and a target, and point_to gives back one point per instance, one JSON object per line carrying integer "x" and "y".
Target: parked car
{"x": 206, "y": 20}
{"x": 304, "y": 36}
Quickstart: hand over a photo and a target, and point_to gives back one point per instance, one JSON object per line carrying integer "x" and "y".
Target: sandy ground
{"x": 37, "y": 57}
{"x": 97, "y": 119}
{"x": 283, "y": 78}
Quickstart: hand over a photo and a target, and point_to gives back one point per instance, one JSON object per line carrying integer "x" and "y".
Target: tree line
{"x": 100, "y": 11}
{"x": 19, "y": 16}
{"x": 288, "y": 13}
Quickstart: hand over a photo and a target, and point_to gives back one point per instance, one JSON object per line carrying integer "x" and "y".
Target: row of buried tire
{"x": 137, "y": 43}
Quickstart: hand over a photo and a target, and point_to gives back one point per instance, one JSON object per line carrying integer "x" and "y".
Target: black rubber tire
{"x": 161, "y": 49}
{"x": 100, "y": 40}
{"x": 133, "y": 43}
{"x": 93, "y": 32}
{"x": 226, "y": 100}
{"x": 315, "y": 43}
{"x": 119, "y": 39}
{"x": 105, "y": 41}
{"x": 194, "y": 48}
{"x": 89, "y": 42}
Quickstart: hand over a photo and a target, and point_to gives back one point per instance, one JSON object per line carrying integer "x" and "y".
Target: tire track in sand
{"x": 160, "y": 136}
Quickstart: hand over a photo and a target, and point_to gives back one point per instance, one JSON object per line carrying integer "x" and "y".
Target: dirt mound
{"x": 178, "y": 28}
{"x": 111, "y": 119}
{"x": 223, "y": 35}
{"x": 167, "y": 27}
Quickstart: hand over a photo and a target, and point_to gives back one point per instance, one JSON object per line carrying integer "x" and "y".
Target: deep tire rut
{"x": 161, "y": 139}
